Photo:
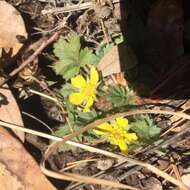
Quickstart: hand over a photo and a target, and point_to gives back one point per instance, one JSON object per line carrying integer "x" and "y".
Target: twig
{"x": 72, "y": 8}
{"x": 92, "y": 149}
{"x": 176, "y": 171}
{"x": 31, "y": 58}
{"x": 68, "y": 176}
{"x": 43, "y": 95}
{"x": 134, "y": 169}
{"x": 38, "y": 120}
{"x": 85, "y": 179}
{"x": 124, "y": 114}
{"x": 96, "y": 150}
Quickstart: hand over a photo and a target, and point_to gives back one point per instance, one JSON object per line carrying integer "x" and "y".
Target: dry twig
{"x": 72, "y": 8}
{"x": 106, "y": 153}
{"x": 30, "y": 58}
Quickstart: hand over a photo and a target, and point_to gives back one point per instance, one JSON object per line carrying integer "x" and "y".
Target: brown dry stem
{"x": 30, "y": 58}
{"x": 92, "y": 149}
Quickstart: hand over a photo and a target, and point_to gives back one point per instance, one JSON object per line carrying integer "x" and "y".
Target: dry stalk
{"x": 30, "y": 58}
{"x": 75, "y": 177}
{"x": 78, "y": 7}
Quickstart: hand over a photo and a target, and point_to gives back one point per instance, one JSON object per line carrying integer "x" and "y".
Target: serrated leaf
{"x": 62, "y": 131}
{"x": 119, "y": 96}
{"x": 145, "y": 129}
{"x": 65, "y": 129}
{"x": 154, "y": 131}
{"x": 74, "y": 43}
{"x": 90, "y": 136}
{"x": 86, "y": 117}
{"x": 59, "y": 48}
{"x": 103, "y": 49}
{"x": 66, "y": 70}
{"x": 85, "y": 57}
{"x": 71, "y": 71}
{"x": 71, "y": 57}
{"x": 66, "y": 90}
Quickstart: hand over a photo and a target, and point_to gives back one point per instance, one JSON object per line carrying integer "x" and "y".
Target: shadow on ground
{"x": 157, "y": 32}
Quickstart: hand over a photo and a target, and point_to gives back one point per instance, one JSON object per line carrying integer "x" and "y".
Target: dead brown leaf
{"x": 117, "y": 60}
{"x": 11, "y": 28}
{"x": 18, "y": 170}
{"x": 10, "y": 112}
{"x": 12, "y": 182}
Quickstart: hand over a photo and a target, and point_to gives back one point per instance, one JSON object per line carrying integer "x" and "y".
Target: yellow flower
{"x": 117, "y": 133}
{"x": 87, "y": 90}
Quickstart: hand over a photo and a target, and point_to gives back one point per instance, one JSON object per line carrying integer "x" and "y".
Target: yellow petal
{"x": 103, "y": 129}
{"x": 98, "y": 132}
{"x": 131, "y": 137}
{"x": 106, "y": 127}
{"x": 89, "y": 102}
{"x": 78, "y": 82}
{"x": 76, "y": 98}
{"x": 86, "y": 109}
{"x": 94, "y": 77}
{"x": 123, "y": 147}
{"x": 121, "y": 122}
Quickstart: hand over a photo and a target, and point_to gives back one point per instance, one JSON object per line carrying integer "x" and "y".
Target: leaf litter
{"x": 159, "y": 48}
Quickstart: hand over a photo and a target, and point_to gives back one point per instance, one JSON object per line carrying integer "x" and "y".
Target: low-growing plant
{"x": 84, "y": 88}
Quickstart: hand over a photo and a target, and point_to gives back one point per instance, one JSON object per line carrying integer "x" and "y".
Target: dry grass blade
{"x": 92, "y": 149}
{"x": 85, "y": 179}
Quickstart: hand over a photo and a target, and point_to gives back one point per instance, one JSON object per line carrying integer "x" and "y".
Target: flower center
{"x": 89, "y": 90}
{"x": 117, "y": 135}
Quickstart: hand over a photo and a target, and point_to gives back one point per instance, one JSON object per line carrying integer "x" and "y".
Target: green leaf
{"x": 86, "y": 117}
{"x": 71, "y": 57}
{"x": 89, "y": 136}
{"x": 145, "y": 129}
{"x": 66, "y": 90}
{"x": 68, "y": 54}
{"x": 61, "y": 132}
{"x": 59, "y": 48}
{"x": 120, "y": 96}
{"x": 119, "y": 40}
{"x": 66, "y": 70}
{"x": 86, "y": 57}
{"x": 74, "y": 43}
{"x": 154, "y": 131}
{"x": 103, "y": 49}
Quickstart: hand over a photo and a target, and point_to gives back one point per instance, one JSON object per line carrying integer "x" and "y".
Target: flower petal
{"x": 78, "y": 81}
{"x": 131, "y": 137}
{"x": 76, "y": 98}
{"x": 105, "y": 127}
{"x": 89, "y": 102}
{"x": 99, "y": 132}
{"x": 123, "y": 147}
{"x": 86, "y": 109}
{"x": 94, "y": 77}
{"x": 122, "y": 122}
